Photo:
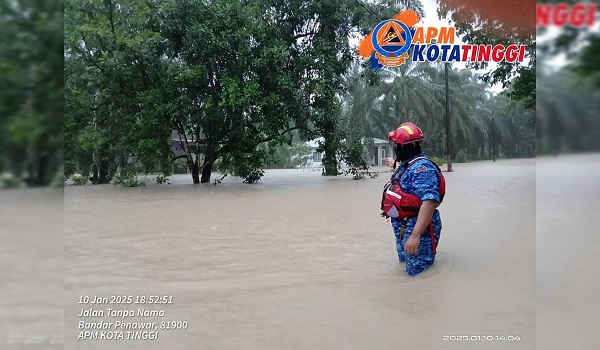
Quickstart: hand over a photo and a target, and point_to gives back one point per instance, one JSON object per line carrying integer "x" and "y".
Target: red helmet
{"x": 406, "y": 133}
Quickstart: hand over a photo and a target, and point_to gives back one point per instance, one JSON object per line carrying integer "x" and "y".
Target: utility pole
{"x": 448, "y": 157}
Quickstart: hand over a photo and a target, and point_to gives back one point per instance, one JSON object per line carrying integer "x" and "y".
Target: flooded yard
{"x": 303, "y": 261}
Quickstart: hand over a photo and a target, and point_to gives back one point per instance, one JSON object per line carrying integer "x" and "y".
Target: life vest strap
{"x": 402, "y": 228}
{"x": 433, "y": 245}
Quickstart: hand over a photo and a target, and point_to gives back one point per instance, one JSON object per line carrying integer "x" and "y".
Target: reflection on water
{"x": 252, "y": 265}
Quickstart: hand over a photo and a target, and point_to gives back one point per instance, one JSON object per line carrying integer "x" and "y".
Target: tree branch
{"x": 303, "y": 35}
{"x": 86, "y": 56}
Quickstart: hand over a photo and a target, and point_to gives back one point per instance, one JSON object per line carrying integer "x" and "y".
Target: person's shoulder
{"x": 423, "y": 165}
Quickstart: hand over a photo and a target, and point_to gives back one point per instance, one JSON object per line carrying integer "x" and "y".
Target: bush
{"x": 180, "y": 166}
{"x": 79, "y": 180}
{"x": 10, "y": 181}
{"x": 253, "y": 176}
{"x": 161, "y": 179}
{"x": 127, "y": 178}
{"x": 439, "y": 161}
{"x": 461, "y": 157}
{"x": 354, "y": 155}
{"x": 216, "y": 165}
{"x": 58, "y": 180}
{"x": 245, "y": 165}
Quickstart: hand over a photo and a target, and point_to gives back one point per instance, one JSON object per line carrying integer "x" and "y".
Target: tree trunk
{"x": 329, "y": 160}
{"x": 191, "y": 163}
{"x": 103, "y": 177}
{"x": 206, "y": 172}
{"x": 112, "y": 169}
{"x": 94, "y": 177}
{"x": 195, "y": 173}
{"x": 331, "y": 166}
{"x": 42, "y": 167}
{"x": 209, "y": 159}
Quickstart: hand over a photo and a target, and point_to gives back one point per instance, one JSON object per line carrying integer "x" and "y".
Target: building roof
{"x": 379, "y": 141}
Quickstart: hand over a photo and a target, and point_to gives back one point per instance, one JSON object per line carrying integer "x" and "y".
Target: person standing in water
{"x": 411, "y": 198}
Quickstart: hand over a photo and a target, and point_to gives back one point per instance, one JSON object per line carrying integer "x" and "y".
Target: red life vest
{"x": 397, "y": 203}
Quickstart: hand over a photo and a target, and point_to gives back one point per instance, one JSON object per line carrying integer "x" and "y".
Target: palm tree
{"x": 566, "y": 110}
{"x": 416, "y": 92}
{"x": 404, "y": 91}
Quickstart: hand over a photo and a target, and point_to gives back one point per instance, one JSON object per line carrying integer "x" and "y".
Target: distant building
{"x": 378, "y": 151}
{"x": 316, "y": 159}
{"x": 178, "y": 148}
{"x": 381, "y": 149}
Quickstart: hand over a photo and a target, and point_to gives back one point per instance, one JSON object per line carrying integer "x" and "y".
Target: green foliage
{"x": 79, "y": 180}
{"x": 360, "y": 173}
{"x": 587, "y": 63}
{"x": 161, "y": 179}
{"x": 479, "y": 22}
{"x": 567, "y": 113}
{"x": 245, "y": 165}
{"x": 415, "y": 92}
{"x": 59, "y": 178}
{"x": 290, "y": 157}
{"x": 461, "y": 157}
{"x": 439, "y": 161}
{"x": 135, "y": 71}
{"x": 253, "y": 176}
{"x": 249, "y": 167}
{"x": 180, "y": 166}
{"x": 580, "y": 44}
{"x": 127, "y": 178}
{"x": 9, "y": 181}
{"x": 31, "y": 80}
{"x": 353, "y": 154}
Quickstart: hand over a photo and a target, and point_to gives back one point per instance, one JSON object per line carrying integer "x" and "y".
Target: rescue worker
{"x": 419, "y": 182}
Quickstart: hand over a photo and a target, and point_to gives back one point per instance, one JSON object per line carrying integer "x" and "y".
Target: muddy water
{"x": 302, "y": 261}
{"x": 31, "y": 269}
{"x": 568, "y": 308}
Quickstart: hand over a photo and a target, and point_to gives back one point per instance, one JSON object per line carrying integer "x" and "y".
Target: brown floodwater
{"x": 31, "y": 269}
{"x": 303, "y": 261}
{"x": 567, "y": 305}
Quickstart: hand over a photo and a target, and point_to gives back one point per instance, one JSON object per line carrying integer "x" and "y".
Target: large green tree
{"x": 226, "y": 75}
{"x": 567, "y": 104}
{"x": 581, "y": 44}
{"x": 31, "y": 102}
{"x": 567, "y": 112}
{"x": 499, "y": 23}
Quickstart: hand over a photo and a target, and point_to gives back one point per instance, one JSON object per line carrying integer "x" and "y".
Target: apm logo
{"x": 579, "y": 15}
{"x": 393, "y": 41}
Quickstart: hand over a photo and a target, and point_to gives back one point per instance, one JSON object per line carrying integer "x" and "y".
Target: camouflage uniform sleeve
{"x": 425, "y": 181}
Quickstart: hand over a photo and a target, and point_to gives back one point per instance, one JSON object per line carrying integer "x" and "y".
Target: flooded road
{"x": 31, "y": 269}
{"x": 567, "y": 304}
{"x": 302, "y": 261}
